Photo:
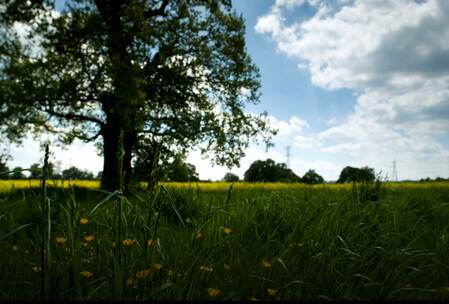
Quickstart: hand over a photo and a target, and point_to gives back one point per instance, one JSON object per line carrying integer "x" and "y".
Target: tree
{"x": 311, "y": 177}
{"x": 36, "y": 171}
{"x": 351, "y": 174}
{"x": 75, "y": 173}
{"x": 145, "y": 69}
{"x": 3, "y": 167}
{"x": 231, "y": 177}
{"x": 180, "y": 171}
{"x": 17, "y": 173}
{"x": 269, "y": 171}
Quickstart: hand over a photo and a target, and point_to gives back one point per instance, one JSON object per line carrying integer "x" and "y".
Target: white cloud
{"x": 294, "y": 126}
{"x": 395, "y": 55}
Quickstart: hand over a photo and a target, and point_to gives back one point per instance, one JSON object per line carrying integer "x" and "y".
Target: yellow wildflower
{"x": 36, "y": 269}
{"x": 272, "y": 292}
{"x": 213, "y": 292}
{"x": 199, "y": 236}
{"x": 60, "y": 240}
{"x": 206, "y": 268}
{"x": 227, "y": 267}
{"x": 151, "y": 242}
{"x": 254, "y": 299}
{"x": 227, "y": 230}
{"x": 86, "y": 274}
{"x": 157, "y": 266}
{"x": 114, "y": 244}
{"x": 14, "y": 248}
{"x": 128, "y": 242}
{"x": 89, "y": 237}
{"x": 83, "y": 221}
{"x": 131, "y": 282}
{"x": 141, "y": 274}
{"x": 265, "y": 264}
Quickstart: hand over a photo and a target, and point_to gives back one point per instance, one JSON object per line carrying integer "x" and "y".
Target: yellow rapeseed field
{"x": 6, "y": 185}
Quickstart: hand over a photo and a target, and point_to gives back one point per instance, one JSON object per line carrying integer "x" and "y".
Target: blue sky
{"x": 347, "y": 82}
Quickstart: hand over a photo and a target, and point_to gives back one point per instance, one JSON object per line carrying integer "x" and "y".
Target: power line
{"x": 288, "y": 156}
{"x": 394, "y": 175}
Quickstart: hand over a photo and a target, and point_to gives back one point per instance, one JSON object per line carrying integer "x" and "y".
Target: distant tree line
{"x": 35, "y": 172}
{"x": 270, "y": 171}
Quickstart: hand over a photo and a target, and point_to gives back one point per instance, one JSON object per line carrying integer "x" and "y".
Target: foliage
{"x": 75, "y": 173}
{"x": 231, "y": 177}
{"x": 36, "y": 171}
{"x": 270, "y": 171}
{"x": 351, "y": 174}
{"x": 3, "y": 168}
{"x": 17, "y": 173}
{"x": 178, "y": 170}
{"x": 311, "y": 177}
{"x": 170, "y": 167}
{"x": 173, "y": 71}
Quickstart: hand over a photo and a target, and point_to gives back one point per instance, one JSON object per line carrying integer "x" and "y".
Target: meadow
{"x": 220, "y": 241}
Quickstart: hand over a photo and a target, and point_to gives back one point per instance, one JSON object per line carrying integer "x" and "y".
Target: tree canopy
{"x": 231, "y": 177}
{"x": 75, "y": 173}
{"x": 180, "y": 171}
{"x": 270, "y": 171}
{"x": 311, "y": 177}
{"x": 351, "y": 174}
{"x": 124, "y": 72}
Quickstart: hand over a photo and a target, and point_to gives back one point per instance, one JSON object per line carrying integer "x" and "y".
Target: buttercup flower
{"x": 227, "y": 230}
{"x": 83, "y": 221}
{"x": 254, "y": 299}
{"x": 89, "y": 237}
{"x": 128, "y": 242}
{"x": 86, "y": 274}
{"x": 272, "y": 292}
{"x": 206, "y": 268}
{"x": 131, "y": 282}
{"x": 141, "y": 274}
{"x": 36, "y": 269}
{"x": 60, "y": 240}
{"x": 213, "y": 292}
{"x": 265, "y": 264}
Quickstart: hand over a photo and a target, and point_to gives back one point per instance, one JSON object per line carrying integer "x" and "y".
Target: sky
{"x": 347, "y": 83}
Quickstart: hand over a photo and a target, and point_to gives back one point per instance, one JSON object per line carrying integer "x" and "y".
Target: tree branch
{"x": 92, "y": 138}
{"x": 74, "y": 116}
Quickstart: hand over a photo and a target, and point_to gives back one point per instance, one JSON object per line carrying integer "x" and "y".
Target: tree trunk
{"x": 110, "y": 179}
{"x": 129, "y": 141}
{"x": 111, "y": 144}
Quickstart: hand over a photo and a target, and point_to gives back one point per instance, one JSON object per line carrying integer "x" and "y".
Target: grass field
{"x": 208, "y": 241}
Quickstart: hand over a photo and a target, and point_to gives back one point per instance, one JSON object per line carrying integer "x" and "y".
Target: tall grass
{"x": 190, "y": 244}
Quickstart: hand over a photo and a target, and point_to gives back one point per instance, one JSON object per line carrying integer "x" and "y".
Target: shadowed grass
{"x": 289, "y": 243}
